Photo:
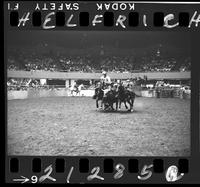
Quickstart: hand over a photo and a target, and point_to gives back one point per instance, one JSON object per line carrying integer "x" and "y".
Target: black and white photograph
{"x": 98, "y": 93}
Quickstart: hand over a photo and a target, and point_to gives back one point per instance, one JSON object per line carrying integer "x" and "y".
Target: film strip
{"x": 107, "y": 171}
{"x": 30, "y": 167}
{"x": 107, "y": 15}
{"x": 108, "y": 20}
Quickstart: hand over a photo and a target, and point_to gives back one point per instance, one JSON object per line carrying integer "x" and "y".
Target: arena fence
{"x": 63, "y": 92}
{"x": 96, "y": 76}
{"x": 37, "y": 93}
{"x": 166, "y": 93}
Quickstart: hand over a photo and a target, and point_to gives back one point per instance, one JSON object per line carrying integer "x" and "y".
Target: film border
{"x": 193, "y": 159}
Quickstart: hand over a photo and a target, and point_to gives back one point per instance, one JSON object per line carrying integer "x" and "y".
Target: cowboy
{"x": 105, "y": 79}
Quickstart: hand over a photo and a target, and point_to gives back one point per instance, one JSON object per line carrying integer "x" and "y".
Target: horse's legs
{"x": 120, "y": 104}
{"x": 133, "y": 99}
{"x": 102, "y": 103}
{"x": 97, "y": 104}
{"x": 131, "y": 105}
{"x": 116, "y": 105}
{"x": 132, "y": 102}
{"x": 125, "y": 105}
{"x": 111, "y": 105}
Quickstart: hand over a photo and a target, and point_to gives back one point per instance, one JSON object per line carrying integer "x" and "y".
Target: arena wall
{"x": 32, "y": 93}
{"x": 17, "y": 95}
{"x": 86, "y": 76}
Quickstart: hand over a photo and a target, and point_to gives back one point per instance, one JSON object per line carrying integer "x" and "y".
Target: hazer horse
{"x": 124, "y": 96}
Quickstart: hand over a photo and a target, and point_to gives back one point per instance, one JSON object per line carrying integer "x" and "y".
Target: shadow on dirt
{"x": 119, "y": 111}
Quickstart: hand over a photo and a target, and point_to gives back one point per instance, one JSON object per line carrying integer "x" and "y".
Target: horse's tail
{"x": 137, "y": 95}
{"x": 94, "y": 96}
{"x": 134, "y": 94}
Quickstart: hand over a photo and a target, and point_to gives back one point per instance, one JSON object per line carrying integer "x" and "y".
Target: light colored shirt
{"x": 106, "y": 79}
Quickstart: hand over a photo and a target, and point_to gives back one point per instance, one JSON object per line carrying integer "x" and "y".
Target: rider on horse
{"x": 105, "y": 80}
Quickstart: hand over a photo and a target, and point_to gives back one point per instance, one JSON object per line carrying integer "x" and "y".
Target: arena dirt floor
{"x": 71, "y": 126}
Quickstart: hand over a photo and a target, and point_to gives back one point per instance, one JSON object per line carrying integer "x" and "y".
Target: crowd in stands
{"x": 89, "y": 63}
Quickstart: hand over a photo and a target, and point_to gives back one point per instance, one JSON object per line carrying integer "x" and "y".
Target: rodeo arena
{"x": 98, "y": 102}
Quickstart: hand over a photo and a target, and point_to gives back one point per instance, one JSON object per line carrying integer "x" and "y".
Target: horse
{"x": 109, "y": 99}
{"x": 125, "y": 95}
{"x": 99, "y": 93}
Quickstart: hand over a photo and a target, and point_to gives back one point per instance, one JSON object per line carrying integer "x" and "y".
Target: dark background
{"x": 80, "y": 39}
